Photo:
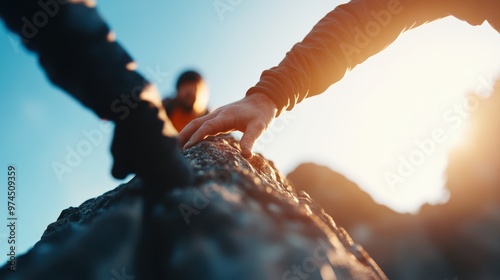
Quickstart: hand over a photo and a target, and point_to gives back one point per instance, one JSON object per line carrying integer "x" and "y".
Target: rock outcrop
{"x": 458, "y": 239}
{"x": 455, "y": 240}
{"x": 399, "y": 243}
{"x": 240, "y": 220}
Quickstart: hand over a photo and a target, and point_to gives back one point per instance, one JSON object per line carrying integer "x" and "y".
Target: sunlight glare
{"x": 389, "y": 124}
{"x": 419, "y": 111}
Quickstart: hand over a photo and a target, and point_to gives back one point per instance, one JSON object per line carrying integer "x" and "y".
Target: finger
{"x": 249, "y": 138}
{"x": 207, "y": 128}
{"x": 222, "y": 123}
{"x": 187, "y": 132}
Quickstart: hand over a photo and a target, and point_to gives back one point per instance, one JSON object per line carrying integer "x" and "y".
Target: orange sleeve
{"x": 346, "y": 37}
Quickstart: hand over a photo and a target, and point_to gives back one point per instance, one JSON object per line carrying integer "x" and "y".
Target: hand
{"x": 251, "y": 115}
{"x": 140, "y": 146}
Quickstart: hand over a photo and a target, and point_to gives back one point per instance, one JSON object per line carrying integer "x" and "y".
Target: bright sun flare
{"x": 389, "y": 124}
{"x": 420, "y": 110}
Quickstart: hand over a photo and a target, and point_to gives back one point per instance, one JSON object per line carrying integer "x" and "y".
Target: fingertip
{"x": 246, "y": 152}
{"x": 195, "y": 139}
{"x": 247, "y": 155}
{"x": 247, "y": 142}
{"x": 187, "y": 145}
{"x": 189, "y": 130}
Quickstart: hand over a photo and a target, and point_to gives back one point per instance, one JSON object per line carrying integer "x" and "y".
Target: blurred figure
{"x": 190, "y": 101}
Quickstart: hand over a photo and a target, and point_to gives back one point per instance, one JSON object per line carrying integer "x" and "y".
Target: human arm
{"x": 349, "y": 35}
{"x": 344, "y": 38}
{"x": 78, "y": 52}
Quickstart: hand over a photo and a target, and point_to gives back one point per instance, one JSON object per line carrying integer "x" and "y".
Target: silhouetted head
{"x": 192, "y": 92}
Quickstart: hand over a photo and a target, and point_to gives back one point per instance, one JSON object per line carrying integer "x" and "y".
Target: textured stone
{"x": 240, "y": 220}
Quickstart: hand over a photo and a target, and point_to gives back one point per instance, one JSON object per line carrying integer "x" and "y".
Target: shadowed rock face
{"x": 399, "y": 243}
{"x": 240, "y": 220}
{"x": 455, "y": 240}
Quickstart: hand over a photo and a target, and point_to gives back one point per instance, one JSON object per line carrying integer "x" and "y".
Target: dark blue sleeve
{"x": 76, "y": 49}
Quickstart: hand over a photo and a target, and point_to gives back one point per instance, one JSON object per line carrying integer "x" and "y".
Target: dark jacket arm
{"x": 77, "y": 51}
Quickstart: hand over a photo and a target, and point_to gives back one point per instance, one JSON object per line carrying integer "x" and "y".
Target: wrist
{"x": 264, "y": 101}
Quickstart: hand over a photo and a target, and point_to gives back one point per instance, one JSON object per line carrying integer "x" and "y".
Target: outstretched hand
{"x": 144, "y": 144}
{"x": 251, "y": 115}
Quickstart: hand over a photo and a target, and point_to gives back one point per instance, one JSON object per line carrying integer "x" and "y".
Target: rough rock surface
{"x": 455, "y": 240}
{"x": 240, "y": 220}
{"x": 398, "y": 242}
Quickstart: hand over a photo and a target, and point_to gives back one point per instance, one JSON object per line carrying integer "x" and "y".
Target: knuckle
{"x": 195, "y": 122}
{"x": 210, "y": 125}
{"x": 260, "y": 126}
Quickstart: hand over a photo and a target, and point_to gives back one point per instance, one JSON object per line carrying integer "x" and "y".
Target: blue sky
{"x": 362, "y": 126}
